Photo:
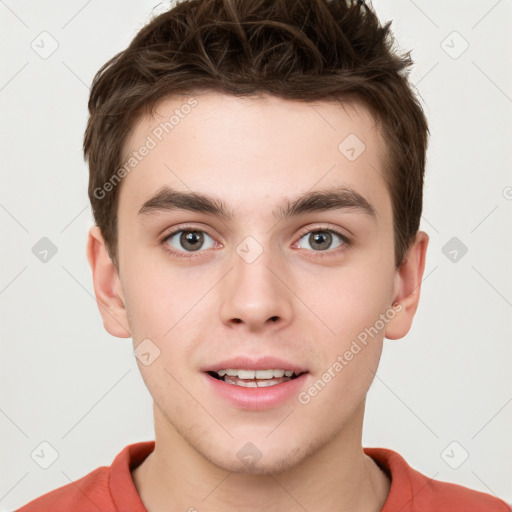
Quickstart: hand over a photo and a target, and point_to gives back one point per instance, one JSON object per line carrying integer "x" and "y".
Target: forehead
{"x": 253, "y": 151}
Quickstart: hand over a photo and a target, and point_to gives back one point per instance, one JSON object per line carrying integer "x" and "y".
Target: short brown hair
{"x": 306, "y": 50}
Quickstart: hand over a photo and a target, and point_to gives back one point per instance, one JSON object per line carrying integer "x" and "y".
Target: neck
{"x": 337, "y": 476}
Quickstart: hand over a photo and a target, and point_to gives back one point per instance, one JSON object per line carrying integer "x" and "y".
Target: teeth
{"x": 255, "y": 374}
{"x": 245, "y": 374}
{"x": 266, "y": 383}
{"x": 253, "y": 383}
{"x": 264, "y": 374}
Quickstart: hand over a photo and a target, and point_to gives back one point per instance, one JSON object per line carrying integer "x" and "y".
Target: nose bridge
{"x": 252, "y": 293}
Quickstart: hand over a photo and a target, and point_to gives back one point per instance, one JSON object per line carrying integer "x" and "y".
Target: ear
{"x": 407, "y": 288}
{"x": 107, "y": 286}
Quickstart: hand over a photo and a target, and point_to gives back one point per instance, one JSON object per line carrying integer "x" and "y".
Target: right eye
{"x": 188, "y": 241}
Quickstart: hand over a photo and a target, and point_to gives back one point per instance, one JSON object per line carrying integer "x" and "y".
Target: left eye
{"x": 189, "y": 240}
{"x": 321, "y": 239}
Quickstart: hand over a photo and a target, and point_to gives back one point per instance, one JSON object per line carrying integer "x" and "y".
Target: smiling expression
{"x": 250, "y": 238}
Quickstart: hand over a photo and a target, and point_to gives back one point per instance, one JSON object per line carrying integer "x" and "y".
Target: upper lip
{"x": 248, "y": 363}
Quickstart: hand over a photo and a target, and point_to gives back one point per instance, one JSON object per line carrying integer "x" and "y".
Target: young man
{"x": 256, "y": 172}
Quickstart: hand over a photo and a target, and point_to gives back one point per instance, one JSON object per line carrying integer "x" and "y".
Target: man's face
{"x": 253, "y": 284}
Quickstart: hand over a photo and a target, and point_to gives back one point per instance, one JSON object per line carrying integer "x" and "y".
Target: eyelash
{"x": 320, "y": 254}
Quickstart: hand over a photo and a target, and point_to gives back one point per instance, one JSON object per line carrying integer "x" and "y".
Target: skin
{"x": 254, "y": 154}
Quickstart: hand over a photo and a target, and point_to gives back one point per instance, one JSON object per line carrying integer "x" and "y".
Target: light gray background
{"x": 65, "y": 381}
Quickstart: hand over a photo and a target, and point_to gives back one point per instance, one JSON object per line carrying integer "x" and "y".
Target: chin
{"x": 251, "y": 460}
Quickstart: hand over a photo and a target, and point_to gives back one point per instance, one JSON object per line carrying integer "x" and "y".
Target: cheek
{"x": 159, "y": 295}
{"x": 350, "y": 300}
{"x": 352, "y": 307}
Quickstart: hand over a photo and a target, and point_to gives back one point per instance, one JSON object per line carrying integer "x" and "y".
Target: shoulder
{"x": 412, "y": 491}
{"x": 107, "y": 488}
{"x": 90, "y": 492}
{"x": 451, "y": 497}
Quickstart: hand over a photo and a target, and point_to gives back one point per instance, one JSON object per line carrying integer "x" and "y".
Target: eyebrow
{"x": 340, "y": 198}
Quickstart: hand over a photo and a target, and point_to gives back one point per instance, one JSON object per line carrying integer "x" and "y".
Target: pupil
{"x": 191, "y": 240}
{"x": 322, "y": 238}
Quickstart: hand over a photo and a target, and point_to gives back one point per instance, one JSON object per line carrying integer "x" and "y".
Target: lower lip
{"x": 256, "y": 398}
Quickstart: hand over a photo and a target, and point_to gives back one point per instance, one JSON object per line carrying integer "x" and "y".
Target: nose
{"x": 255, "y": 295}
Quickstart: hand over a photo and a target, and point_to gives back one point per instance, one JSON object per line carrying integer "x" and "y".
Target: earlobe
{"x": 407, "y": 288}
{"x": 107, "y": 286}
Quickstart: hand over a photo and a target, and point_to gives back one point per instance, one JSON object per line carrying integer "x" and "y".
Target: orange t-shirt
{"x": 111, "y": 489}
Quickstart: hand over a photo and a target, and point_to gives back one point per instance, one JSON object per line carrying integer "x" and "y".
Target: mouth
{"x": 254, "y": 378}
{"x": 256, "y": 384}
